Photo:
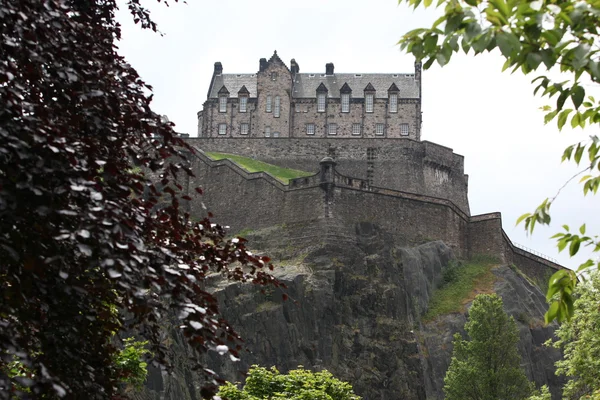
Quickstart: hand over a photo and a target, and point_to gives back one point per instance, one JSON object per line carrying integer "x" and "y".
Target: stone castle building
{"x": 360, "y": 136}
{"x": 278, "y": 101}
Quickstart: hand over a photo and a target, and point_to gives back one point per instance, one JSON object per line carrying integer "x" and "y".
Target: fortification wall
{"x": 243, "y": 200}
{"x": 411, "y": 221}
{"x": 402, "y": 164}
{"x": 486, "y": 236}
{"x": 332, "y": 203}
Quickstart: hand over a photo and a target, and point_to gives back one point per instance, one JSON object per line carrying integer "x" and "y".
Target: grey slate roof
{"x": 233, "y": 83}
{"x": 305, "y": 85}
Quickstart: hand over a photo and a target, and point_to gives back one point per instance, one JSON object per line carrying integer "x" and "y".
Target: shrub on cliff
{"x": 81, "y": 232}
{"x": 298, "y": 384}
{"x": 486, "y": 366}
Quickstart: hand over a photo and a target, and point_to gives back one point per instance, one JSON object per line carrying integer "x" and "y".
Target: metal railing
{"x": 534, "y": 252}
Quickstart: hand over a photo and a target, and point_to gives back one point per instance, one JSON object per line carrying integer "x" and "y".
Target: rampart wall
{"x": 257, "y": 200}
{"x": 407, "y": 165}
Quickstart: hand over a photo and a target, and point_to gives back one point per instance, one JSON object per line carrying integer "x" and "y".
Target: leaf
{"x": 582, "y": 229}
{"x": 579, "y": 151}
{"x": 577, "y": 95}
{"x": 552, "y": 312}
{"x": 561, "y": 99}
{"x": 567, "y": 153}
{"x": 574, "y": 247}
{"x": 522, "y": 217}
{"x": 575, "y": 121}
{"x": 562, "y": 118}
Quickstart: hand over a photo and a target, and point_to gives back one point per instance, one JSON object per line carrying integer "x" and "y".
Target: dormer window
{"x": 321, "y": 102}
{"x": 321, "y": 98}
{"x": 345, "y": 94}
{"x": 393, "y": 103}
{"x": 345, "y": 102}
{"x": 243, "y": 96}
{"x": 393, "y": 98}
{"x": 369, "y": 102}
{"x": 223, "y": 95}
{"x": 369, "y": 98}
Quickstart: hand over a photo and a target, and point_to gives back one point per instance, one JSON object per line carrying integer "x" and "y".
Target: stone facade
{"x": 281, "y": 102}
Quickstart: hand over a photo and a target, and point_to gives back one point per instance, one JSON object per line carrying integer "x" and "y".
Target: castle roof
{"x": 305, "y": 85}
{"x": 234, "y": 83}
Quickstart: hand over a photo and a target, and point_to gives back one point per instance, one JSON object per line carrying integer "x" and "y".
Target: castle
{"x": 282, "y": 102}
{"x": 361, "y": 136}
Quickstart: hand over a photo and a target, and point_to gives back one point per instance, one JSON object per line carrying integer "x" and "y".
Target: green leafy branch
{"x": 563, "y": 36}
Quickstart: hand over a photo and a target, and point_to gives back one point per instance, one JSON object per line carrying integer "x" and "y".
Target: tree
{"x": 579, "y": 339}
{"x": 531, "y": 34}
{"x": 486, "y": 366}
{"x": 298, "y": 384}
{"x": 91, "y": 248}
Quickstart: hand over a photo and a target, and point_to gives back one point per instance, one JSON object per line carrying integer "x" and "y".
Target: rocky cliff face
{"x": 355, "y": 308}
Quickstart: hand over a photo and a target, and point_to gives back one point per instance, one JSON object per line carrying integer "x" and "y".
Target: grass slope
{"x": 251, "y": 165}
{"x": 462, "y": 284}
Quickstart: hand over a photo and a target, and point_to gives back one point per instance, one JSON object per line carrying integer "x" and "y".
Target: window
{"x": 222, "y": 104}
{"x": 298, "y": 108}
{"x": 393, "y": 103}
{"x": 268, "y": 103}
{"x": 332, "y": 129}
{"x": 277, "y": 107}
{"x": 267, "y": 131}
{"x": 275, "y": 134}
{"x": 356, "y": 129}
{"x": 345, "y": 102}
{"x": 243, "y": 104}
{"x": 379, "y": 129}
{"x": 244, "y": 129}
{"x": 310, "y": 129}
{"x": 273, "y": 76}
{"x": 321, "y": 102}
{"x": 369, "y": 103}
{"x": 222, "y": 129}
{"x": 404, "y": 129}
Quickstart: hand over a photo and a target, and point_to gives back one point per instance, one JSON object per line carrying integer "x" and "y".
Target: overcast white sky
{"x": 489, "y": 117}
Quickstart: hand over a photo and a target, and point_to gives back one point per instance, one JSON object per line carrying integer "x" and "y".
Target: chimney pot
{"x": 218, "y": 68}
{"x": 262, "y": 64}
{"x": 329, "y": 69}
{"x": 294, "y": 67}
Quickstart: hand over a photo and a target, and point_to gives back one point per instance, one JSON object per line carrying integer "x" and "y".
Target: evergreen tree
{"x": 486, "y": 365}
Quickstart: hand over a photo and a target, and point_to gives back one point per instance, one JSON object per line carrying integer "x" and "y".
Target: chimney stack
{"x": 294, "y": 67}
{"x": 329, "y": 69}
{"x": 262, "y": 64}
{"x": 218, "y": 68}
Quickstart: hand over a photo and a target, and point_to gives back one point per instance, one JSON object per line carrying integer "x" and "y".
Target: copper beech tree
{"x": 89, "y": 246}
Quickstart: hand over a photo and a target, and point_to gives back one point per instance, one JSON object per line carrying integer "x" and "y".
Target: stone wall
{"x": 401, "y": 164}
{"x": 245, "y": 200}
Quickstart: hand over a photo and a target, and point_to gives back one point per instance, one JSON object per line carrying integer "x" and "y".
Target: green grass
{"x": 282, "y": 174}
{"x": 468, "y": 280}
